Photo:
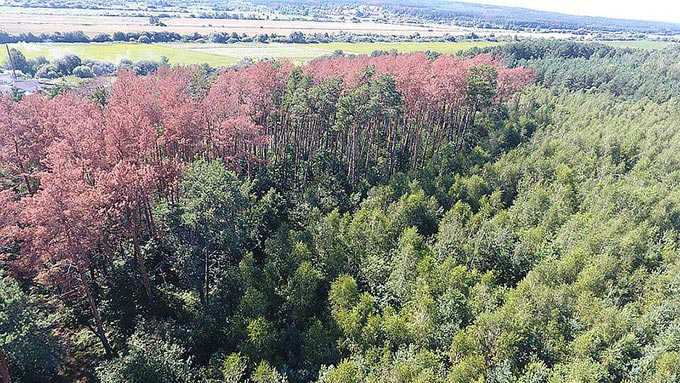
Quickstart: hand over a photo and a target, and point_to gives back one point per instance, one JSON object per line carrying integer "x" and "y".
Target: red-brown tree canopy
{"x": 77, "y": 169}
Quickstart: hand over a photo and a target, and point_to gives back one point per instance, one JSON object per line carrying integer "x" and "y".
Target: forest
{"x": 506, "y": 215}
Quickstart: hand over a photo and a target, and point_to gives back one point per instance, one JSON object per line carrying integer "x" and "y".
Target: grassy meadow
{"x": 226, "y": 54}
{"x": 229, "y": 54}
{"x": 114, "y": 52}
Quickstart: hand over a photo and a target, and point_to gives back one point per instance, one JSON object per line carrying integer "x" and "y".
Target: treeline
{"x": 362, "y": 115}
{"x": 295, "y": 37}
{"x": 510, "y": 18}
{"x": 476, "y": 16}
{"x": 72, "y": 65}
{"x": 625, "y": 72}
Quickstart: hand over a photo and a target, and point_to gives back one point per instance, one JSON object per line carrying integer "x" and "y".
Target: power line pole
{"x": 11, "y": 62}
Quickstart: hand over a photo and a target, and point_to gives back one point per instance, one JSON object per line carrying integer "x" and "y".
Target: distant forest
{"x": 486, "y": 16}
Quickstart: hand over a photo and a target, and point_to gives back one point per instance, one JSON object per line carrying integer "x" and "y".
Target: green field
{"x": 229, "y": 54}
{"x": 222, "y": 54}
{"x": 297, "y": 53}
{"x": 114, "y": 52}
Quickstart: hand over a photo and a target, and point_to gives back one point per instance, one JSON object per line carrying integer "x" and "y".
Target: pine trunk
{"x": 95, "y": 313}
{"x": 140, "y": 263}
{"x": 206, "y": 281}
{"x": 4, "y": 368}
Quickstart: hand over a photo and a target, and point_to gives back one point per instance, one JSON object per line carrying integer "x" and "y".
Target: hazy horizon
{"x": 652, "y": 10}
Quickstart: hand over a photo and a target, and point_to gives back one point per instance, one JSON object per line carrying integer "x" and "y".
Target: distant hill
{"x": 493, "y": 16}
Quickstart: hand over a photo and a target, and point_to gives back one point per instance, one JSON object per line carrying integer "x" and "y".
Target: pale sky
{"x": 660, "y": 10}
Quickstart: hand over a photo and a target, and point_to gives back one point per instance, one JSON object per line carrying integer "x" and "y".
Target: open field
{"x": 18, "y": 20}
{"x": 297, "y": 53}
{"x": 229, "y": 54}
{"x": 114, "y": 52}
{"x": 225, "y": 54}
{"x": 24, "y": 20}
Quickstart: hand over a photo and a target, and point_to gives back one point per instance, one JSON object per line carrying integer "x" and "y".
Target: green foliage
{"x": 344, "y": 294}
{"x": 301, "y": 291}
{"x": 212, "y": 206}
{"x": 210, "y": 225}
{"x": 83, "y": 71}
{"x": 344, "y": 372}
{"x": 149, "y": 360}
{"x": 261, "y": 338}
{"x": 624, "y": 72}
{"x": 26, "y": 336}
{"x": 17, "y": 61}
{"x": 234, "y": 368}
{"x": 265, "y": 373}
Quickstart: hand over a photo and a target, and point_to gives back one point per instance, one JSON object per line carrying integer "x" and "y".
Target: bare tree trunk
{"x": 140, "y": 263}
{"x": 206, "y": 281}
{"x": 142, "y": 269}
{"x": 95, "y": 313}
{"x": 24, "y": 173}
{"x": 4, "y": 368}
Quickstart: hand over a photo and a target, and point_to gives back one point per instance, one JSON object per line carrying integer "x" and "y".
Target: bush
{"x": 101, "y": 38}
{"x": 150, "y": 360}
{"x": 83, "y": 71}
{"x": 33, "y": 354}
{"x": 66, "y": 64}
{"x": 47, "y": 71}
